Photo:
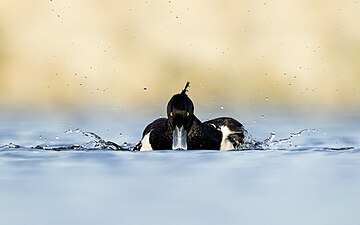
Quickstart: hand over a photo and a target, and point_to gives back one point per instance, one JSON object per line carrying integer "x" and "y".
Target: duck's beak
{"x": 179, "y": 138}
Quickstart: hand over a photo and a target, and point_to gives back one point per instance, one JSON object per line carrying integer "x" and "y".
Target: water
{"x": 308, "y": 173}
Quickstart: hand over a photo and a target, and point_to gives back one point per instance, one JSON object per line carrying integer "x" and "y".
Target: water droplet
{"x": 57, "y": 138}
{"x": 40, "y": 137}
{"x": 271, "y": 137}
{"x": 267, "y": 98}
{"x": 222, "y": 107}
{"x": 145, "y": 89}
{"x": 262, "y": 116}
{"x": 120, "y": 134}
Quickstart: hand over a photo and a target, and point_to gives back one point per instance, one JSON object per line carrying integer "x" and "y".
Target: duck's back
{"x": 228, "y": 122}
{"x": 203, "y": 136}
{"x": 232, "y": 132}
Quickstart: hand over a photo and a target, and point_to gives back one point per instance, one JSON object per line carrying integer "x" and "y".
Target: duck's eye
{"x": 187, "y": 114}
{"x": 170, "y": 113}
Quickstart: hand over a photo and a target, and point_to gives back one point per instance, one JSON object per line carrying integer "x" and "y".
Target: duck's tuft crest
{"x": 183, "y": 92}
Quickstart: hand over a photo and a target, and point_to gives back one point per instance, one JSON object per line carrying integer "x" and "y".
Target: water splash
{"x": 9, "y": 146}
{"x": 250, "y": 143}
{"x": 270, "y": 143}
{"x": 96, "y": 143}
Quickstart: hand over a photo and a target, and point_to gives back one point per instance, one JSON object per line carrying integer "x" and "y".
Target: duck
{"x": 182, "y": 130}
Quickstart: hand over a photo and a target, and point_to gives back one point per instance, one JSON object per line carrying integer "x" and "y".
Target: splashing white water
{"x": 98, "y": 143}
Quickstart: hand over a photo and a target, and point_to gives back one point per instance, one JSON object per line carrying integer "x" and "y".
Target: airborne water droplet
{"x": 222, "y": 107}
{"x": 145, "y": 89}
{"x": 272, "y": 136}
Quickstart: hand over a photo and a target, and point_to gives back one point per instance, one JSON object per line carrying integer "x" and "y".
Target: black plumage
{"x": 160, "y": 134}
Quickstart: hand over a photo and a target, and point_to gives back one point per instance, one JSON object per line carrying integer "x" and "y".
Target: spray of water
{"x": 98, "y": 143}
{"x": 284, "y": 143}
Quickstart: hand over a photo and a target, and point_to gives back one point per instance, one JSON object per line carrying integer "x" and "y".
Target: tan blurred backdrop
{"x": 299, "y": 54}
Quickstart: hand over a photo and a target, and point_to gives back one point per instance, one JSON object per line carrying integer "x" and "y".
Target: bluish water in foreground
{"x": 312, "y": 179}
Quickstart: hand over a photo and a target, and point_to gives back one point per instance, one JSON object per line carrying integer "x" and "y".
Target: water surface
{"x": 314, "y": 179}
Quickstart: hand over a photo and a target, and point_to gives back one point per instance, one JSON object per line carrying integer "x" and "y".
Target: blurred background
{"x": 130, "y": 56}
